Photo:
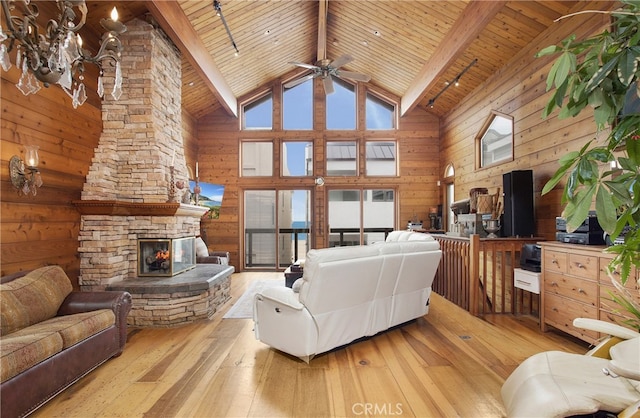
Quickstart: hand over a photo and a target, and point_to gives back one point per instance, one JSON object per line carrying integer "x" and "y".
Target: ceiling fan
{"x": 324, "y": 68}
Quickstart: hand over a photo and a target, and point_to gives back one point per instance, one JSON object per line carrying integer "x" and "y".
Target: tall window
{"x": 257, "y": 159}
{"x": 379, "y": 113}
{"x": 342, "y": 158}
{"x": 297, "y": 107}
{"x": 258, "y": 114}
{"x": 297, "y": 158}
{"x": 341, "y": 106}
{"x": 381, "y": 158}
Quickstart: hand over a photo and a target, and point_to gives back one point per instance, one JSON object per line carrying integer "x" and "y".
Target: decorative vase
{"x": 492, "y": 226}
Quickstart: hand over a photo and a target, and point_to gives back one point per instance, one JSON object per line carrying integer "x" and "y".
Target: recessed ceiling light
{"x": 267, "y": 32}
{"x": 191, "y": 83}
{"x": 377, "y": 33}
{"x": 365, "y": 43}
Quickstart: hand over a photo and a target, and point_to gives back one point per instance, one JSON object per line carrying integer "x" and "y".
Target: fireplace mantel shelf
{"x": 124, "y": 208}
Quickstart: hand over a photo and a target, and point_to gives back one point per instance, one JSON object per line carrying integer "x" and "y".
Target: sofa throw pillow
{"x": 33, "y": 298}
{"x": 201, "y": 248}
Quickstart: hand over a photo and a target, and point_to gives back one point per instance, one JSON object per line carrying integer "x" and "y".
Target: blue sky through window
{"x": 341, "y": 106}
{"x": 297, "y": 108}
{"x": 379, "y": 114}
{"x": 259, "y": 114}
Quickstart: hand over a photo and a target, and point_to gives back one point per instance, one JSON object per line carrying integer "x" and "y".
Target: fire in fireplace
{"x": 166, "y": 256}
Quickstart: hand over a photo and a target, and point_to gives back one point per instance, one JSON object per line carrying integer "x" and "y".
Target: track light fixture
{"x": 218, "y": 8}
{"x": 447, "y": 84}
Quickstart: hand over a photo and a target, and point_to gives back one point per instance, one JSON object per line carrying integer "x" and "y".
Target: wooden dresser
{"x": 575, "y": 284}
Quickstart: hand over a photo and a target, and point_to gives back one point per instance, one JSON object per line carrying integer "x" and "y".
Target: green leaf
{"x": 551, "y": 49}
{"x": 627, "y": 67}
{"x": 605, "y": 210}
{"x": 601, "y": 75}
{"x": 620, "y": 192}
{"x": 596, "y": 98}
{"x": 633, "y": 149}
{"x": 587, "y": 170}
{"x": 602, "y": 115}
{"x": 561, "y": 68}
{"x": 580, "y": 207}
{"x": 551, "y": 104}
{"x": 559, "y": 174}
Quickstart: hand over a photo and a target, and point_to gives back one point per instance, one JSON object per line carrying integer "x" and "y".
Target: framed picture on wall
{"x": 210, "y": 196}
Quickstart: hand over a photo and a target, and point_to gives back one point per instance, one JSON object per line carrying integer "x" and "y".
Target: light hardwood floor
{"x": 445, "y": 364}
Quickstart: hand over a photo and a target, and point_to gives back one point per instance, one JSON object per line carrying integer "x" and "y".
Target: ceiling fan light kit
{"x": 327, "y": 69}
{"x": 324, "y": 68}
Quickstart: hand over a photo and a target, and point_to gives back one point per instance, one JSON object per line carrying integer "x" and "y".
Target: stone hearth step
{"x": 172, "y": 301}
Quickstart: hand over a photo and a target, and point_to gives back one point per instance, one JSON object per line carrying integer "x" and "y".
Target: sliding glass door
{"x": 360, "y": 216}
{"x": 276, "y": 227}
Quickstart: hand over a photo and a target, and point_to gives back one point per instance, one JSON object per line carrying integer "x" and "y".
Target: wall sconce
{"x": 25, "y": 175}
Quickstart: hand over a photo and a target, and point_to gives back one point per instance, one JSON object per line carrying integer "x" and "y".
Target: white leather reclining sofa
{"x": 347, "y": 293}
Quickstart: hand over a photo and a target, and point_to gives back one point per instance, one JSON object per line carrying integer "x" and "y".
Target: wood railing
{"x": 477, "y": 274}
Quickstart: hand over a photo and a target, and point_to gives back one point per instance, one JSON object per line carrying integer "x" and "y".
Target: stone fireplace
{"x": 128, "y": 193}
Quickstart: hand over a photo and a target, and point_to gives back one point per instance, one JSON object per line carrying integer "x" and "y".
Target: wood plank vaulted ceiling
{"x": 409, "y": 48}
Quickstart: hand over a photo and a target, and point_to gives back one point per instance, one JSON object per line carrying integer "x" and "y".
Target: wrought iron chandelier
{"x": 57, "y": 56}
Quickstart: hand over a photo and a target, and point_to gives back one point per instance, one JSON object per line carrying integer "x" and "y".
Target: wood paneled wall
{"x": 43, "y": 229}
{"x": 219, "y": 137}
{"x": 519, "y": 90}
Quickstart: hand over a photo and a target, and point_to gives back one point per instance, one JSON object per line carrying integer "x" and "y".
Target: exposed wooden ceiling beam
{"x": 174, "y": 22}
{"x": 322, "y": 29}
{"x": 464, "y": 31}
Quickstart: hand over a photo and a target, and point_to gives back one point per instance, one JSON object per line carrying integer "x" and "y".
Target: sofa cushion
{"x": 74, "y": 328}
{"x": 33, "y": 298}
{"x": 398, "y": 235}
{"x": 201, "y": 248}
{"x": 20, "y": 352}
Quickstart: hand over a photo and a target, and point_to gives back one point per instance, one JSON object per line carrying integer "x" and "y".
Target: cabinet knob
{"x": 554, "y": 284}
{"x": 554, "y": 261}
{"x": 580, "y": 265}
{"x": 554, "y": 309}
{"x": 582, "y": 291}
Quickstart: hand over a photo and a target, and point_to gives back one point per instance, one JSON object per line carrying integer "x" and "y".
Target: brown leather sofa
{"x": 45, "y": 352}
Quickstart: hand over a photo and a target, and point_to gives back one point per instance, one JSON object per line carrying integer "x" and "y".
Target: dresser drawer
{"x": 606, "y": 302}
{"x": 632, "y": 280}
{"x": 571, "y": 287}
{"x": 583, "y": 266}
{"x": 616, "y": 317}
{"x": 555, "y": 261}
{"x": 560, "y": 312}
{"x": 526, "y": 280}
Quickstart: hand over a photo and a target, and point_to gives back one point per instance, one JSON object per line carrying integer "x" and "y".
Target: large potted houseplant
{"x": 602, "y": 72}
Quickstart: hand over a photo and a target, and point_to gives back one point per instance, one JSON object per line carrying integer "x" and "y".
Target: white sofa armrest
{"x": 625, "y": 359}
{"x": 625, "y": 369}
{"x": 282, "y": 295}
{"x": 605, "y": 328}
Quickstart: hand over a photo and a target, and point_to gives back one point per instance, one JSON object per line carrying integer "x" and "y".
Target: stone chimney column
{"x": 141, "y": 139}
